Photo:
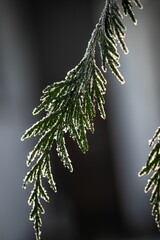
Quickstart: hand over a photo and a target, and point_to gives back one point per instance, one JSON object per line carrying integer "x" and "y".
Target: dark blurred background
{"x": 103, "y": 199}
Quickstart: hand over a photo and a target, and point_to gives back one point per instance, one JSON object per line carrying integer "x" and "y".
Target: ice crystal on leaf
{"x": 70, "y": 105}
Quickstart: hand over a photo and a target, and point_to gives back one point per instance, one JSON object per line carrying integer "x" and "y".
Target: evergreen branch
{"x": 128, "y": 8}
{"x": 153, "y": 184}
{"x": 70, "y": 105}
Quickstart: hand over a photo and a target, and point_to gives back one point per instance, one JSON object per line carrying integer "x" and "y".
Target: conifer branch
{"x": 70, "y": 105}
{"x": 153, "y": 167}
{"x": 128, "y": 8}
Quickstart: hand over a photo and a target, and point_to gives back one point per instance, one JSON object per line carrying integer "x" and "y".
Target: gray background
{"x": 103, "y": 198}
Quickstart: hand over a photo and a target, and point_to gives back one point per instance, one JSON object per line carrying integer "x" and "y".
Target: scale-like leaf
{"x": 70, "y": 105}
{"x": 153, "y": 184}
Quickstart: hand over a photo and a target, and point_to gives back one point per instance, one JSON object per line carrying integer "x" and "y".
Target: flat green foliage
{"x": 70, "y": 105}
{"x": 153, "y": 167}
{"x": 128, "y": 8}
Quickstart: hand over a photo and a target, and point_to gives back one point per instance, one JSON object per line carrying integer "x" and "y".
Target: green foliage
{"x": 153, "y": 167}
{"x": 70, "y": 105}
{"x": 128, "y": 8}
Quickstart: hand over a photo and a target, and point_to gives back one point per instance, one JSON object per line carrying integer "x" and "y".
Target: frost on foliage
{"x": 128, "y": 8}
{"x": 153, "y": 167}
{"x": 70, "y": 105}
